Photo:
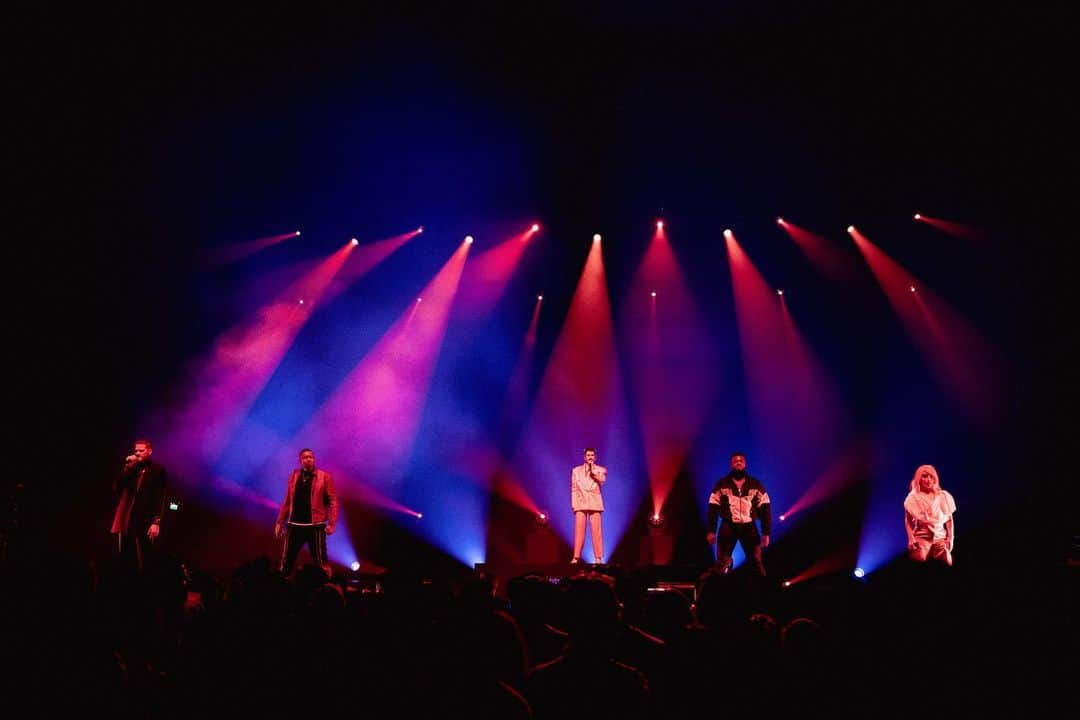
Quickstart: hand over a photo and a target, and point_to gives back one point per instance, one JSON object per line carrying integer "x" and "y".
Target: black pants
{"x": 296, "y": 536}
{"x": 747, "y": 534}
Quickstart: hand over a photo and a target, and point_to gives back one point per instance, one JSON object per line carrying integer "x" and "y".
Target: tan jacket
{"x": 585, "y": 489}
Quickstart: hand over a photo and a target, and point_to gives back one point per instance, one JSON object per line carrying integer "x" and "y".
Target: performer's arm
{"x": 910, "y": 525}
{"x": 713, "y": 515}
{"x": 331, "y": 497}
{"x": 599, "y": 474}
{"x": 160, "y": 489}
{"x": 284, "y": 510}
{"x": 765, "y": 513}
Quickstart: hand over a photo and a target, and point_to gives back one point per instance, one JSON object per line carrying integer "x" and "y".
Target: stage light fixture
{"x": 656, "y": 520}
{"x": 541, "y": 519}
{"x": 859, "y": 572}
{"x": 355, "y": 565}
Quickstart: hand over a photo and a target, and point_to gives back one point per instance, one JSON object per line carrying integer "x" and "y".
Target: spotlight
{"x": 535, "y": 227}
{"x": 419, "y": 516}
{"x": 541, "y": 519}
{"x": 659, "y": 224}
{"x": 656, "y": 520}
{"x": 851, "y": 229}
{"x": 298, "y": 233}
{"x": 779, "y": 292}
{"x": 355, "y": 566}
{"x": 783, "y": 517}
{"x": 596, "y": 238}
{"x": 653, "y": 293}
{"x": 787, "y": 583}
{"x": 911, "y": 288}
{"x": 728, "y": 234}
{"x": 468, "y": 239}
{"x": 420, "y": 230}
{"x": 918, "y": 216}
{"x": 780, "y": 221}
{"x": 174, "y": 505}
{"x": 355, "y": 241}
{"x": 859, "y": 572}
{"x": 420, "y": 299}
{"x": 301, "y": 301}
{"x": 539, "y": 297}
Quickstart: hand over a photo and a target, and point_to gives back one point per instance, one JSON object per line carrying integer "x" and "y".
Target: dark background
{"x": 136, "y": 147}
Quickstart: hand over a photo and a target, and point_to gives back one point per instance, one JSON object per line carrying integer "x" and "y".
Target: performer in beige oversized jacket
{"x": 588, "y": 504}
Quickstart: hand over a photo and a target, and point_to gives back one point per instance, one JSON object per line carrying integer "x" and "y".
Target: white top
{"x": 930, "y": 512}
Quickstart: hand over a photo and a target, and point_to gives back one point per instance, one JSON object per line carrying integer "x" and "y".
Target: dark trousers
{"x": 295, "y": 537}
{"x": 136, "y": 553}
{"x": 747, "y": 534}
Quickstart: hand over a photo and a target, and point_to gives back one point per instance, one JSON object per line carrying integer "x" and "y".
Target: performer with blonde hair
{"x": 928, "y": 518}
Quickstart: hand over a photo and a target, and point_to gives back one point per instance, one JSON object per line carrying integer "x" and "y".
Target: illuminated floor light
{"x": 539, "y": 297}
{"x": 596, "y": 238}
{"x": 535, "y": 227}
{"x": 468, "y": 239}
{"x": 355, "y": 565}
{"x": 419, "y": 516}
{"x": 656, "y": 520}
{"x": 787, "y": 583}
{"x": 420, "y": 230}
{"x": 653, "y": 293}
{"x": 779, "y": 292}
{"x": 419, "y": 299}
{"x": 911, "y": 288}
{"x": 783, "y": 517}
{"x": 298, "y": 233}
{"x": 541, "y": 519}
{"x": 859, "y": 572}
{"x": 918, "y": 216}
{"x": 780, "y": 221}
{"x": 355, "y": 241}
{"x": 301, "y": 301}
{"x": 659, "y": 224}
{"x": 728, "y": 234}
{"x": 850, "y": 228}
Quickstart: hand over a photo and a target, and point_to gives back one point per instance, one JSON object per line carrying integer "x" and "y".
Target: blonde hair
{"x": 933, "y": 476}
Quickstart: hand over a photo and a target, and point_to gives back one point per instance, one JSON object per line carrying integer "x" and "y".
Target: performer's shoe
{"x": 575, "y": 561}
